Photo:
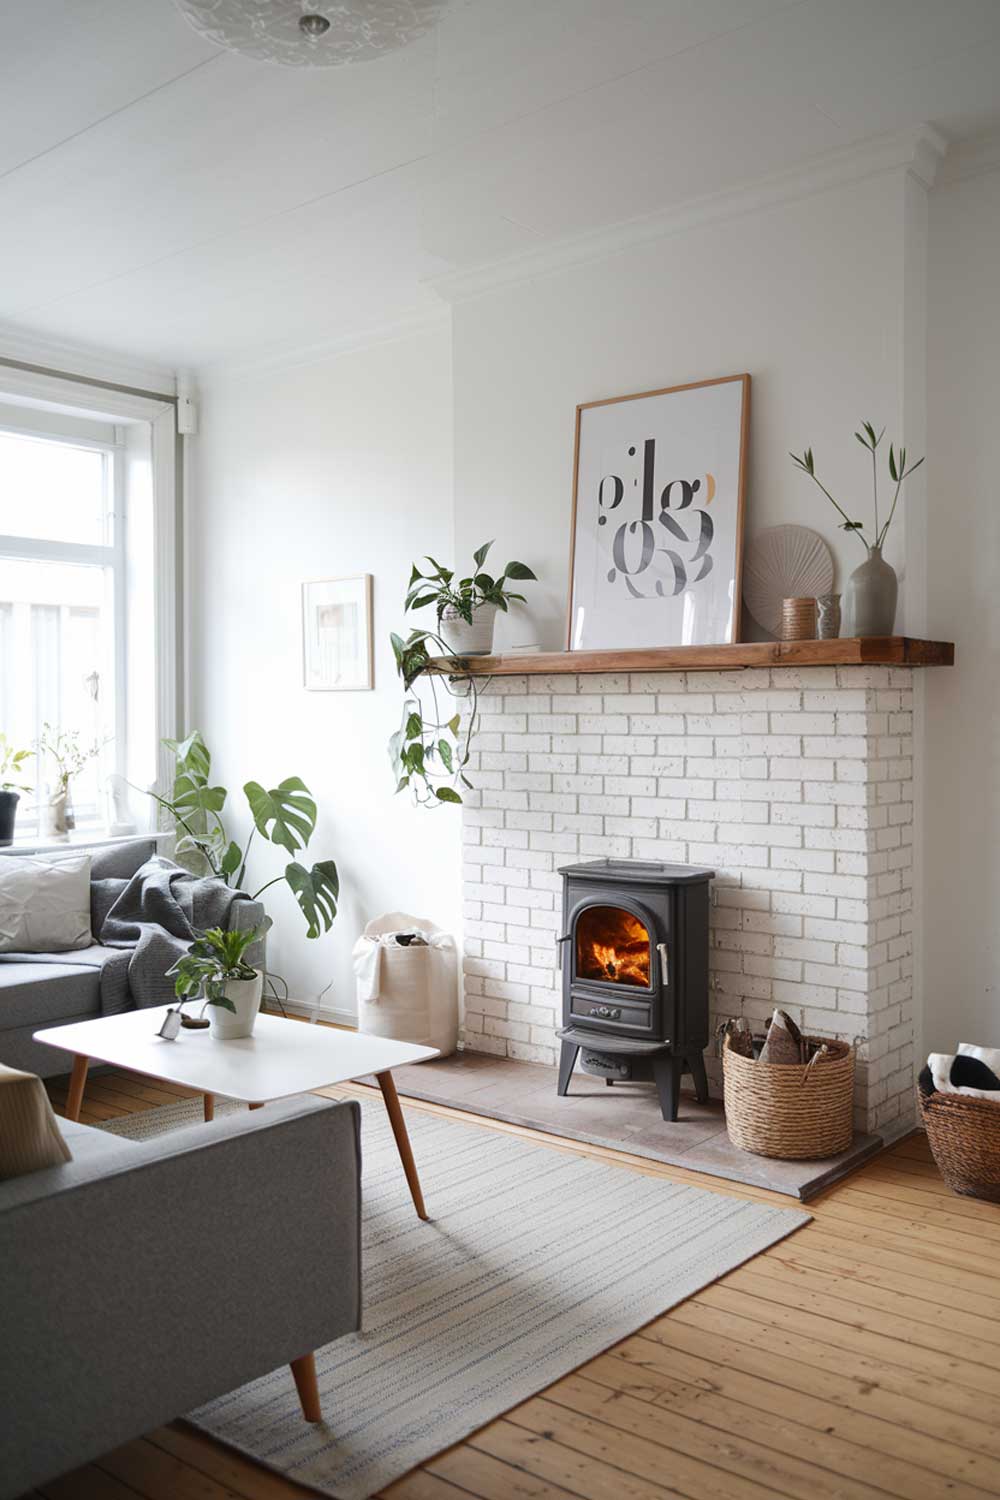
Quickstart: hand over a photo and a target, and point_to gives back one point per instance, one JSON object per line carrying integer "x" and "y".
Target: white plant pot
{"x": 469, "y": 640}
{"x": 245, "y": 995}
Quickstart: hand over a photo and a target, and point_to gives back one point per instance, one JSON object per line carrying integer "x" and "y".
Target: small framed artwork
{"x": 657, "y": 529}
{"x": 337, "y": 634}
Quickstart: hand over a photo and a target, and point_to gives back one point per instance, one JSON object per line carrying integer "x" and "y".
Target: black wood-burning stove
{"x": 634, "y": 958}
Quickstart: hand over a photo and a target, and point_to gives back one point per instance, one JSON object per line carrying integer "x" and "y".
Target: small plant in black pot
{"x": 11, "y": 766}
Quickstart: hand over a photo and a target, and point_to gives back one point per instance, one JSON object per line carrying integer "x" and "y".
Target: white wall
{"x": 962, "y": 863}
{"x": 806, "y": 296}
{"x": 346, "y": 466}
{"x": 332, "y": 469}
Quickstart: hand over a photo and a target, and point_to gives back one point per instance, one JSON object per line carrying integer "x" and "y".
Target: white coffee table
{"x": 281, "y": 1058}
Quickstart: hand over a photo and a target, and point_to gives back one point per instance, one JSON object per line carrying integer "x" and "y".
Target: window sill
{"x": 96, "y": 838}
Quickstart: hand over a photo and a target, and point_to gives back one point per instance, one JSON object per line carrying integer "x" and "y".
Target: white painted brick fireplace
{"x": 794, "y": 784}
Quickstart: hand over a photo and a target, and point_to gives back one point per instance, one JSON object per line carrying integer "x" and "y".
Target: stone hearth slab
{"x": 625, "y": 1117}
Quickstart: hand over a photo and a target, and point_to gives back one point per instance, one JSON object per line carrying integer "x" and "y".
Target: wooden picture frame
{"x": 337, "y": 634}
{"x": 606, "y": 609}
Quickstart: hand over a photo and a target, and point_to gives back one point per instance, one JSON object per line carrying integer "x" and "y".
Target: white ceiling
{"x": 187, "y": 205}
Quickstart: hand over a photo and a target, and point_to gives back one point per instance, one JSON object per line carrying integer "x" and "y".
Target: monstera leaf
{"x": 316, "y": 891}
{"x": 286, "y": 814}
{"x": 192, "y": 797}
{"x": 192, "y": 755}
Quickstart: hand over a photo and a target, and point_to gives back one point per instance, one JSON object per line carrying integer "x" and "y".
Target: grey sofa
{"x": 142, "y": 1279}
{"x": 52, "y": 989}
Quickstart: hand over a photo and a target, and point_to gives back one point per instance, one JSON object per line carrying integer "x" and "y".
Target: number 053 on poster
{"x": 658, "y": 517}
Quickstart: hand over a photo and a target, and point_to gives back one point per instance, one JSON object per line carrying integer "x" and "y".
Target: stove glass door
{"x": 612, "y": 945}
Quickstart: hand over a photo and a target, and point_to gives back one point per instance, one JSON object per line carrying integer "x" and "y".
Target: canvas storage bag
{"x": 409, "y": 993}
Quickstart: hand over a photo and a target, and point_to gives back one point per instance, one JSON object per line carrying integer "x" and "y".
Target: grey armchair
{"x": 144, "y": 1279}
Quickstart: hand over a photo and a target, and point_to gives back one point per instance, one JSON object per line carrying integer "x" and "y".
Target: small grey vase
{"x": 871, "y": 596}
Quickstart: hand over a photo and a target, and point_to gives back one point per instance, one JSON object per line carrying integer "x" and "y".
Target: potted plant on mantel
{"x": 428, "y": 752}
{"x": 11, "y": 765}
{"x": 466, "y": 609}
{"x": 214, "y": 966}
{"x": 872, "y": 589}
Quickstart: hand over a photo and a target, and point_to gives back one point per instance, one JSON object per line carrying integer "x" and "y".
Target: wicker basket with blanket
{"x": 964, "y": 1137}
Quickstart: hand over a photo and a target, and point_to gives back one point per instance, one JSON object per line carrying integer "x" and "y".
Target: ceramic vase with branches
{"x": 873, "y": 588}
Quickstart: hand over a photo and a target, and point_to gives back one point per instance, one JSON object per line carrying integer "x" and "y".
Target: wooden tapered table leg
{"x": 255, "y": 1106}
{"x": 77, "y": 1084}
{"x": 209, "y": 1102}
{"x": 395, "y": 1113}
{"x": 304, "y": 1373}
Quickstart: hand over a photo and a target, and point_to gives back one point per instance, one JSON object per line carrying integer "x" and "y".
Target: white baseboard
{"x": 322, "y": 1012}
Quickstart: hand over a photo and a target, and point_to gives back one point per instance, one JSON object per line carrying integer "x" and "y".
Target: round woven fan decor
{"x": 784, "y": 562}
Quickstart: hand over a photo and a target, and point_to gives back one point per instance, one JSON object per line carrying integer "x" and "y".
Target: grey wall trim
{"x": 104, "y": 385}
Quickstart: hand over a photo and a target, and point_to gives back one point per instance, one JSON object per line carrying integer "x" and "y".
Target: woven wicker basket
{"x": 964, "y": 1136}
{"x": 800, "y": 1112}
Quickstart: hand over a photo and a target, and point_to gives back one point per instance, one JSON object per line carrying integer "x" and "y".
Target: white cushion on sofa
{"x": 44, "y": 903}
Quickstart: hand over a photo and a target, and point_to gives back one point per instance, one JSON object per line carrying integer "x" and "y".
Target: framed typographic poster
{"x": 657, "y": 531}
{"x": 337, "y": 633}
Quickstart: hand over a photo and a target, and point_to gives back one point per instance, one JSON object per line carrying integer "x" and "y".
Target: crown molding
{"x": 918, "y": 151}
{"x": 291, "y": 356}
{"x": 971, "y": 158}
{"x": 102, "y": 367}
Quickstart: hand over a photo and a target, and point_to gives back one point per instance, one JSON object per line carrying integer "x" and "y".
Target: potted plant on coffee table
{"x": 11, "y": 766}
{"x": 215, "y": 966}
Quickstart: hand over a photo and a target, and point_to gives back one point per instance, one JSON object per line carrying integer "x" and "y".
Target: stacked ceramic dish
{"x": 786, "y": 568}
{"x": 798, "y": 619}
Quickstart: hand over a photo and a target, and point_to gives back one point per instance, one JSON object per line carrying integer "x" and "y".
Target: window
{"x": 63, "y": 604}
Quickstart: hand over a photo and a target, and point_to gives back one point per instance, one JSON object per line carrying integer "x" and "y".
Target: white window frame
{"x": 72, "y": 398}
{"x": 113, "y": 556}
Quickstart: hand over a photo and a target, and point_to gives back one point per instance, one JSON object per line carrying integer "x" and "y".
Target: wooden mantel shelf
{"x": 873, "y": 651}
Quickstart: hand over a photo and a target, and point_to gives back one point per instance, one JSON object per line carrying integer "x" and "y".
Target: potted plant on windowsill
{"x": 70, "y": 757}
{"x": 215, "y": 966}
{"x": 11, "y": 765}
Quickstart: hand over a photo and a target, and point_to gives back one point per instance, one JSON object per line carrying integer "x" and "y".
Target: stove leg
{"x": 667, "y": 1071}
{"x": 699, "y": 1077}
{"x": 567, "y": 1057}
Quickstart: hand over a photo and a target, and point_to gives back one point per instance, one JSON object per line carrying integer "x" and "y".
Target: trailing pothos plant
{"x": 285, "y": 815}
{"x": 429, "y": 752}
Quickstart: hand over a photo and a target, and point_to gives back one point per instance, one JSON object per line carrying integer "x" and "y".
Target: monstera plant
{"x": 285, "y": 815}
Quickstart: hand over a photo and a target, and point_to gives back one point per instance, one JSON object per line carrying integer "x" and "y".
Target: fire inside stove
{"x": 613, "y": 945}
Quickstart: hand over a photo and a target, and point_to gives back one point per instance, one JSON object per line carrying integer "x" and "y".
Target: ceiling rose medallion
{"x": 303, "y": 34}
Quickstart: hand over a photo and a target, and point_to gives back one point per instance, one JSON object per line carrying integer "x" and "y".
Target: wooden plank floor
{"x": 859, "y": 1358}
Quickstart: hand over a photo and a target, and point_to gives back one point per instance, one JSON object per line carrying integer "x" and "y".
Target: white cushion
{"x": 44, "y": 903}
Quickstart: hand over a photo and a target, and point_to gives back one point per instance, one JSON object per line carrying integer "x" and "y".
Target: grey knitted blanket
{"x": 160, "y": 911}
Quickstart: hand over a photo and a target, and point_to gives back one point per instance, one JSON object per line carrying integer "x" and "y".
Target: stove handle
{"x": 559, "y": 952}
{"x": 661, "y": 949}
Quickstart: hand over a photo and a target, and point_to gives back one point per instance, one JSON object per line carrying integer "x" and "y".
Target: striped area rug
{"x": 535, "y": 1261}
